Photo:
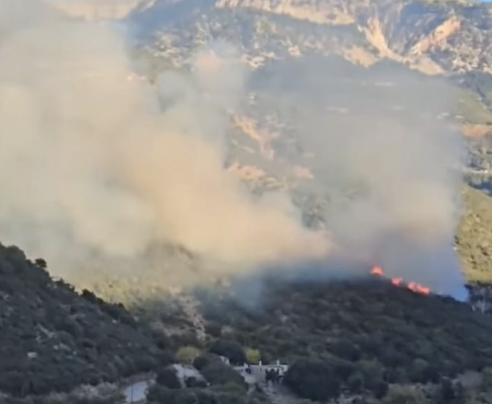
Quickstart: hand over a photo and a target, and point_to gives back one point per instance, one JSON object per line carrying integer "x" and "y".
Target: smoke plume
{"x": 97, "y": 165}
{"x": 391, "y": 166}
{"x": 406, "y": 217}
{"x": 100, "y": 168}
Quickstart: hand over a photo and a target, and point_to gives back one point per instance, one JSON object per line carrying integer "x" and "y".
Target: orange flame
{"x": 413, "y": 286}
{"x": 396, "y": 281}
{"x": 377, "y": 271}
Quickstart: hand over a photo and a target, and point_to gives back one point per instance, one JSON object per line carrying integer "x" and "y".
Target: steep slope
{"x": 352, "y": 339}
{"x": 432, "y": 36}
{"x": 296, "y": 51}
{"x": 53, "y": 339}
{"x": 372, "y": 329}
{"x": 474, "y": 237}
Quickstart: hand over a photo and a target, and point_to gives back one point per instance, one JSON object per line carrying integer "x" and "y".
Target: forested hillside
{"x": 53, "y": 339}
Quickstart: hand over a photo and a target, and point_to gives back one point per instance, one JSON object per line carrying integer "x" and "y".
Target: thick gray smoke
{"x": 392, "y": 167}
{"x": 94, "y": 163}
{"x": 98, "y": 167}
{"x": 406, "y": 216}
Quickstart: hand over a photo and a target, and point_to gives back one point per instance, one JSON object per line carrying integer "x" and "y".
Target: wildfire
{"x": 396, "y": 281}
{"x": 413, "y": 286}
{"x": 377, "y": 271}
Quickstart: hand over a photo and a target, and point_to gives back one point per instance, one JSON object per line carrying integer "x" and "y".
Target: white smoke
{"x": 95, "y": 164}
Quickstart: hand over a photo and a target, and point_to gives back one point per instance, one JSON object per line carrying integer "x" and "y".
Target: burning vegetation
{"x": 358, "y": 337}
{"x": 399, "y": 282}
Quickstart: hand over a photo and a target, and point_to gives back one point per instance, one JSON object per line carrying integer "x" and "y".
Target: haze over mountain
{"x": 327, "y": 67}
{"x": 431, "y": 36}
{"x": 281, "y": 147}
{"x": 263, "y": 89}
{"x": 160, "y": 175}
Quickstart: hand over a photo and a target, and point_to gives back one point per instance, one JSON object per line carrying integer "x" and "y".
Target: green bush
{"x": 219, "y": 373}
{"x": 205, "y": 360}
{"x": 167, "y": 377}
{"x": 253, "y": 356}
{"x": 414, "y": 339}
{"x": 54, "y": 339}
{"x": 230, "y": 349}
{"x": 313, "y": 379}
{"x": 193, "y": 382}
{"x": 187, "y": 354}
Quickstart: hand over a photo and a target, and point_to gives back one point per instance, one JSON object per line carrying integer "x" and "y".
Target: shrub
{"x": 193, "y": 382}
{"x": 219, "y": 373}
{"x": 313, "y": 379}
{"x": 230, "y": 349}
{"x": 187, "y": 354}
{"x": 206, "y": 359}
{"x": 253, "y": 356}
{"x": 167, "y": 377}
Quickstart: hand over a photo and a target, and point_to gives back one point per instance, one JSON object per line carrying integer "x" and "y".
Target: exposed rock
{"x": 432, "y": 37}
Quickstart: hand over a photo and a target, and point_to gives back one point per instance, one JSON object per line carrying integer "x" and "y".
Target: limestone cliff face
{"x": 431, "y": 36}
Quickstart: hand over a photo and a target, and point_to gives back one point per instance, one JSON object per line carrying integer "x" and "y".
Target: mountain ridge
{"x": 432, "y": 36}
{"x": 361, "y": 336}
{"x": 280, "y": 41}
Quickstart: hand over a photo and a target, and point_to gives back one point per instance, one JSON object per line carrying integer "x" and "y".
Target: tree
{"x": 230, "y": 349}
{"x": 167, "y": 377}
{"x": 206, "y": 359}
{"x": 219, "y": 373}
{"x": 459, "y": 393}
{"x": 450, "y": 392}
{"x": 41, "y": 262}
{"x": 187, "y": 354}
{"x": 486, "y": 384}
{"x": 355, "y": 383}
{"x": 94, "y": 343}
{"x": 380, "y": 389}
{"x": 160, "y": 394}
{"x": 372, "y": 371}
{"x": 313, "y": 379}
{"x": 206, "y": 397}
{"x": 186, "y": 397}
{"x": 164, "y": 358}
{"x": 253, "y": 356}
{"x": 445, "y": 392}
{"x": 418, "y": 371}
{"x": 192, "y": 382}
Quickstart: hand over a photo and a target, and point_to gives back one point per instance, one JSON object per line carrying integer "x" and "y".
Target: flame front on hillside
{"x": 413, "y": 286}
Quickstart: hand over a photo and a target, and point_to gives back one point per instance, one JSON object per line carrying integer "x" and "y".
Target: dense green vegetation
{"x": 224, "y": 386}
{"x": 53, "y": 339}
{"x": 349, "y": 337}
{"x": 363, "y": 339}
{"x": 474, "y": 239}
{"x": 479, "y": 83}
{"x": 296, "y": 90}
{"x": 365, "y": 334}
{"x": 78, "y": 398}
